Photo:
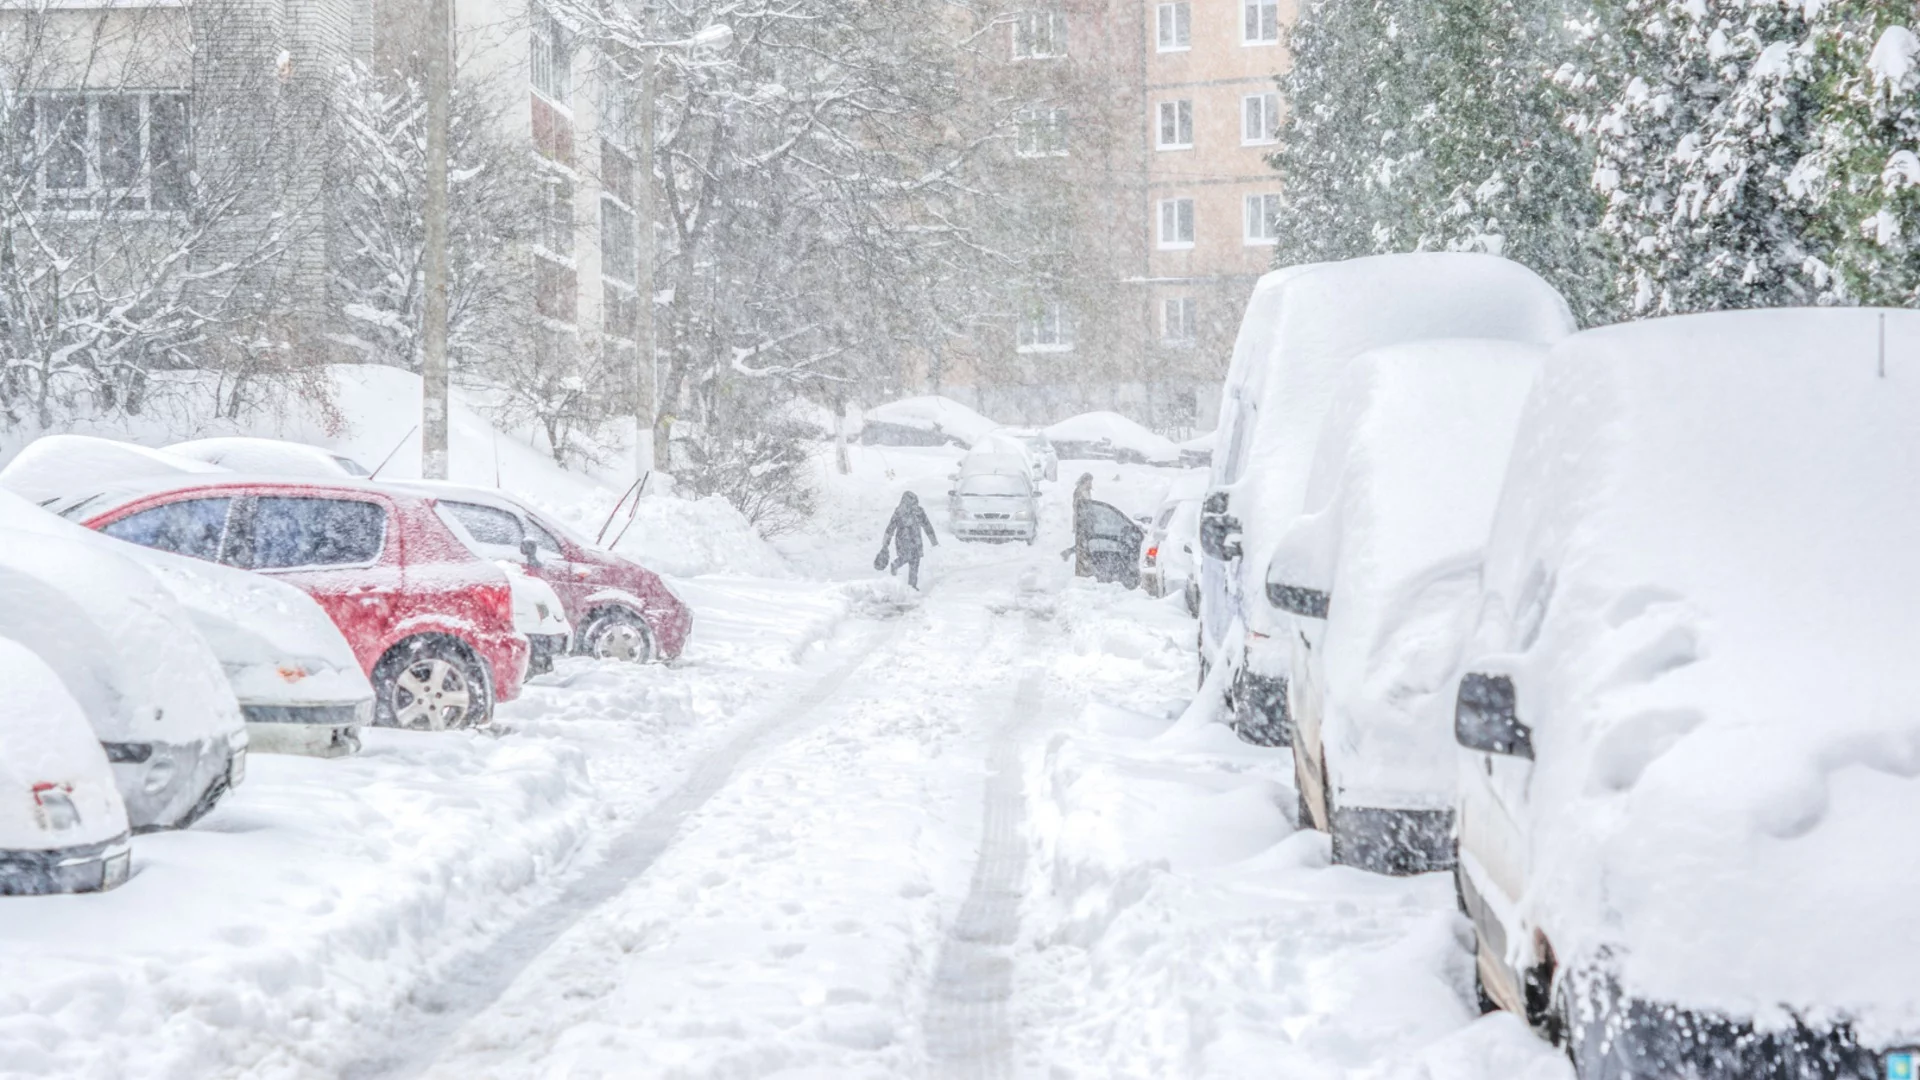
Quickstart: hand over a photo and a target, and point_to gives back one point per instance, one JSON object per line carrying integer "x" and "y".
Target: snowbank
{"x": 1702, "y": 581}
{"x": 924, "y": 421}
{"x": 1106, "y": 436}
{"x": 686, "y": 537}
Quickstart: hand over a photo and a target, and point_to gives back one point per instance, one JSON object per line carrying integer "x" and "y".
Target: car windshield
{"x": 995, "y": 485}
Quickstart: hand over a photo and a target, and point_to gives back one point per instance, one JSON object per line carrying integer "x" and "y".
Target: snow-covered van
{"x": 1381, "y": 571}
{"x": 296, "y": 679}
{"x": 1689, "y": 712}
{"x": 130, "y": 654}
{"x": 63, "y": 825}
{"x": 1302, "y": 327}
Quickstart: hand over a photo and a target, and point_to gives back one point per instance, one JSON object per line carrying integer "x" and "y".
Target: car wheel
{"x": 620, "y": 635}
{"x": 431, "y": 684}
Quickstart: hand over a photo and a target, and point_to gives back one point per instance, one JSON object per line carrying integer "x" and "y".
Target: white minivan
{"x": 1689, "y": 710}
{"x": 1302, "y": 327}
{"x": 1381, "y": 572}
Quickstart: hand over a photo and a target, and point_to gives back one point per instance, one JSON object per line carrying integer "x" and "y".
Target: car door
{"x": 573, "y": 581}
{"x": 339, "y": 549}
{"x": 1113, "y": 544}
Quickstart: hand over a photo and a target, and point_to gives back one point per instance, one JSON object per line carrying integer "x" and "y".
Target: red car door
{"x": 343, "y": 550}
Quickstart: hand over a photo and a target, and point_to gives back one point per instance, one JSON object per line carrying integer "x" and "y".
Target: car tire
{"x": 431, "y": 684}
{"x": 619, "y": 634}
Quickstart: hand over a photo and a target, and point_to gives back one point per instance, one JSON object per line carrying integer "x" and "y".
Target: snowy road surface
{"x": 856, "y": 831}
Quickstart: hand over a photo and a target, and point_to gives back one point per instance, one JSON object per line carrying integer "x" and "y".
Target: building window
{"x": 556, "y": 290}
{"x": 107, "y": 151}
{"x": 1176, "y": 224}
{"x": 552, "y": 59}
{"x": 556, "y": 216}
{"x": 552, "y": 132}
{"x": 1263, "y": 219}
{"x": 1178, "y": 325}
{"x": 1047, "y": 327}
{"x": 619, "y": 242}
{"x": 1262, "y": 22}
{"x": 1043, "y": 133}
{"x": 617, "y": 121}
{"x": 1176, "y": 125}
{"x": 1260, "y": 119}
{"x": 1039, "y": 35}
{"x": 1176, "y": 27}
{"x": 620, "y": 310}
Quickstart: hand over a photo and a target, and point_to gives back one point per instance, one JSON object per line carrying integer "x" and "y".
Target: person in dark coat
{"x": 1082, "y": 526}
{"x": 903, "y": 535}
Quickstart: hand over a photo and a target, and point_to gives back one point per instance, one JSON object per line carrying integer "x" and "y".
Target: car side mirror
{"x": 1310, "y": 603}
{"x": 1219, "y": 530}
{"x": 951, "y": 493}
{"x": 1486, "y": 719}
{"x": 530, "y": 550}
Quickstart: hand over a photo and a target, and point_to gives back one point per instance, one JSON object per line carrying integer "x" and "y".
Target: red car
{"x": 619, "y": 609}
{"x": 431, "y": 622}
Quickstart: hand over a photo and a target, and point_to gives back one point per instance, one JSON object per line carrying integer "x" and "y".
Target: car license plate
{"x": 237, "y": 769}
{"x": 1901, "y": 1064}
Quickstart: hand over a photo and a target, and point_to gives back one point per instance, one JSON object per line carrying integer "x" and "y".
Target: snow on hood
{"x": 270, "y": 457}
{"x": 57, "y": 465}
{"x": 1122, "y": 433}
{"x": 1703, "y": 582}
{"x": 1400, "y": 499}
{"x": 56, "y": 788}
{"x": 128, "y": 652}
{"x": 938, "y": 414}
{"x": 277, "y": 646}
{"x": 1323, "y": 316}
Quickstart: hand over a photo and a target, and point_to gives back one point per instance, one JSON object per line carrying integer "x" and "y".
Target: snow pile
{"x": 685, "y": 537}
{"x": 270, "y": 457}
{"x": 924, "y": 421}
{"x": 1109, "y": 436}
{"x": 1402, "y": 493}
{"x": 1702, "y": 581}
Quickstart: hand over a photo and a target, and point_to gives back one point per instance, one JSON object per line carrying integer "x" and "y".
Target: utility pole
{"x": 433, "y": 361}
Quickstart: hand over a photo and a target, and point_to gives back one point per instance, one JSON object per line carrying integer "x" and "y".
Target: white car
{"x": 1170, "y": 559}
{"x": 537, "y": 612}
{"x": 1689, "y": 712}
{"x": 54, "y": 466}
{"x": 296, "y": 679}
{"x": 131, "y": 655}
{"x": 63, "y": 825}
{"x": 1381, "y": 573}
{"x": 1303, "y": 325}
{"x": 993, "y": 500}
{"x": 270, "y": 457}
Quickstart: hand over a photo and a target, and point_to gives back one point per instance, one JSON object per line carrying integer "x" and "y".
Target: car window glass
{"x": 487, "y": 524}
{"x": 1106, "y": 522}
{"x": 191, "y": 527}
{"x": 547, "y": 541}
{"x": 294, "y": 532}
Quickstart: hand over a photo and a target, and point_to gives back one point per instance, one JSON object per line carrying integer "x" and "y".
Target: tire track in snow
{"x": 967, "y": 1030}
{"x": 473, "y": 983}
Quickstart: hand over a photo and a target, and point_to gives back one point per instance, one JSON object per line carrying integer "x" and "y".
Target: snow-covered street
{"x": 855, "y": 831}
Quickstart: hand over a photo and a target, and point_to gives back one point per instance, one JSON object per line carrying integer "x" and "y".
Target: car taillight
{"x": 1153, "y": 555}
{"x": 499, "y": 600}
{"x": 53, "y": 807}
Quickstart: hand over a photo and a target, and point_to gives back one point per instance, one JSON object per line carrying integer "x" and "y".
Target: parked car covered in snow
{"x": 1382, "y": 571}
{"x": 298, "y": 684}
{"x": 993, "y": 500}
{"x": 1689, "y": 768}
{"x": 924, "y": 421}
{"x": 1302, "y": 327}
{"x": 618, "y": 608}
{"x": 63, "y": 824}
{"x": 130, "y": 655}
{"x": 430, "y": 622}
{"x": 1107, "y": 436}
{"x": 539, "y": 615}
{"x": 270, "y": 457}
{"x": 54, "y": 466}
{"x": 1169, "y": 560}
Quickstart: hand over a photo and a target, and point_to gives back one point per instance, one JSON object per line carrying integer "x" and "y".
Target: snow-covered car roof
{"x": 996, "y": 465}
{"x": 271, "y": 457}
{"x": 1117, "y": 431}
{"x": 933, "y": 413}
{"x": 1401, "y": 496}
{"x": 1324, "y": 316}
{"x": 56, "y": 465}
{"x": 56, "y": 788}
{"x": 276, "y": 644}
{"x": 1703, "y": 581}
{"x": 127, "y": 651}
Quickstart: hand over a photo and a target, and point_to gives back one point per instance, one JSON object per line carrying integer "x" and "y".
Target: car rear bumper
{"x": 81, "y": 869}
{"x": 1616, "y": 1037}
